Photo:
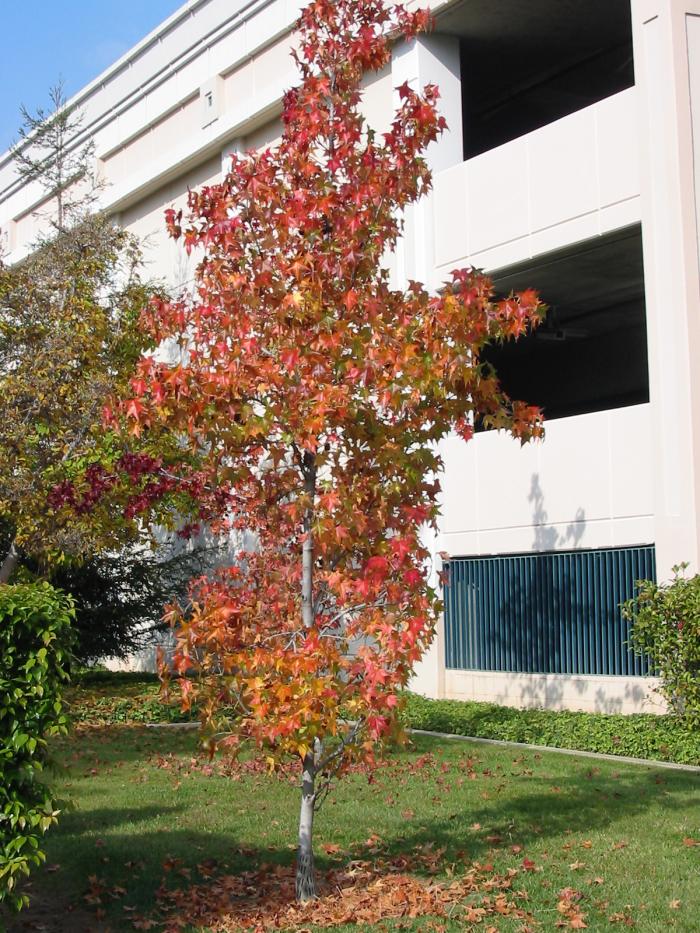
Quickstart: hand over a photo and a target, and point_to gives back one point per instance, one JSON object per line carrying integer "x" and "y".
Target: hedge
{"x": 35, "y": 633}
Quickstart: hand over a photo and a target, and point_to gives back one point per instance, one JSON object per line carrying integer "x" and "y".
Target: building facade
{"x": 572, "y": 165}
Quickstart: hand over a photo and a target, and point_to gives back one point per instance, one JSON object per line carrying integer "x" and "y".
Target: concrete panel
{"x": 631, "y": 478}
{"x": 572, "y": 230}
{"x": 460, "y": 487}
{"x": 160, "y": 99}
{"x": 227, "y": 51}
{"x": 192, "y": 75}
{"x": 563, "y": 181}
{"x": 267, "y": 135}
{"x": 451, "y": 217}
{"x": 164, "y": 257}
{"x": 617, "y": 132}
{"x": 497, "y": 257}
{"x": 574, "y": 476}
{"x": 567, "y": 182}
{"x": 264, "y": 24}
{"x": 239, "y": 85}
{"x": 505, "y": 479}
{"x": 588, "y": 484}
{"x": 376, "y": 104}
{"x": 622, "y": 214}
{"x": 498, "y": 208}
{"x": 638, "y": 529}
{"x": 274, "y": 68}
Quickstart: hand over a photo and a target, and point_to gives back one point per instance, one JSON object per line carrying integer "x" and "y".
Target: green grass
{"x": 141, "y": 797}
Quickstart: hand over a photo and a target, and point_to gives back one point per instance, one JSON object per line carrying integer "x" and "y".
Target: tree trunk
{"x": 307, "y": 557}
{"x": 9, "y": 563}
{"x": 306, "y": 872}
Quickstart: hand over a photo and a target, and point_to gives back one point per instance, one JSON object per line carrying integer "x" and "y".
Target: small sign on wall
{"x": 211, "y": 96}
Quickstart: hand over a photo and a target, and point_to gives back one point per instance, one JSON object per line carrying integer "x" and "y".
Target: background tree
{"x": 119, "y": 596}
{"x": 49, "y": 152}
{"x": 316, "y": 394}
{"x": 69, "y": 339}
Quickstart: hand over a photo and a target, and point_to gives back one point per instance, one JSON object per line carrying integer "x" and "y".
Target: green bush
{"x": 660, "y": 738}
{"x": 666, "y": 627}
{"x": 35, "y": 632}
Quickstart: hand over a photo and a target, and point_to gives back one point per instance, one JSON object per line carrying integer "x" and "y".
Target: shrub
{"x": 666, "y": 627}
{"x": 35, "y": 632}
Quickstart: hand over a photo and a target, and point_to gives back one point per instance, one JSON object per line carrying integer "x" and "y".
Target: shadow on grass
{"x": 543, "y": 810}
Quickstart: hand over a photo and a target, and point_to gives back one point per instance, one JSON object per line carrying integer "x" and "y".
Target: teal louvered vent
{"x": 553, "y": 613}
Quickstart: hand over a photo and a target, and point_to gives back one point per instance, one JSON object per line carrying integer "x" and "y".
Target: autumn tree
{"x": 317, "y": 394}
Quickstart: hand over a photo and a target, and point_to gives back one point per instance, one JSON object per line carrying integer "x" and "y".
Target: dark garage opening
{"x": 591, "y": 352}
{"x": 526, "y": 63}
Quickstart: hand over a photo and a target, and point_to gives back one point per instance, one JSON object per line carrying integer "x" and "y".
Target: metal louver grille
{"x": 553, "y": 613}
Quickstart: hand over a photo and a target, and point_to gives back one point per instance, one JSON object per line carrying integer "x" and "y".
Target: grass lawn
{"x": 620, "y": 841}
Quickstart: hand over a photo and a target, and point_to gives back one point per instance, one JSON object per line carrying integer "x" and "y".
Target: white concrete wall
{"x": 164, "y": 258}
{"x": 556, "y": 691}
{"x": 588, "y": 484}
{"x": 574, "y": 179}
{"x": 613, "y": 478}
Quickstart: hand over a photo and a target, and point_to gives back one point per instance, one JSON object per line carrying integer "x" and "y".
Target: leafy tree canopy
{"x": 316, "y": 393}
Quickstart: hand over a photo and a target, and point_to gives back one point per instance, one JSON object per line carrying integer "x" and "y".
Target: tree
{"x": 316, "y": 395}
{"x": 69, "y": 339}
{"x": 119, "y": 596}
{"x": 665, "y": 631}
{"x": 47, "y": 153}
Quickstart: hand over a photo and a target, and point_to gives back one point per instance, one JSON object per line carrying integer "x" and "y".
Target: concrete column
{"x": 431, "y": 59}
{"x": 667, "y": 73}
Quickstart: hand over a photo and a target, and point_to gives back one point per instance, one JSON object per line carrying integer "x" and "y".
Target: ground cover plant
{"x": 442, "y": 836}
{"x": 107, "y": 698}
{"x": 642, "y": 735}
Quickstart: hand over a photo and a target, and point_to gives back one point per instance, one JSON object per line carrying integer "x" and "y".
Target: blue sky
{"x": 44, "y": 40}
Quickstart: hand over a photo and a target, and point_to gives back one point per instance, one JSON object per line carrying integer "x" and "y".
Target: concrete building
{"x": 571, "y": 165}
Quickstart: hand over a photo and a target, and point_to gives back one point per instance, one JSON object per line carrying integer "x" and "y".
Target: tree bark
{"x": 306, "y": 871}
{"x": 9, "y": 563}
